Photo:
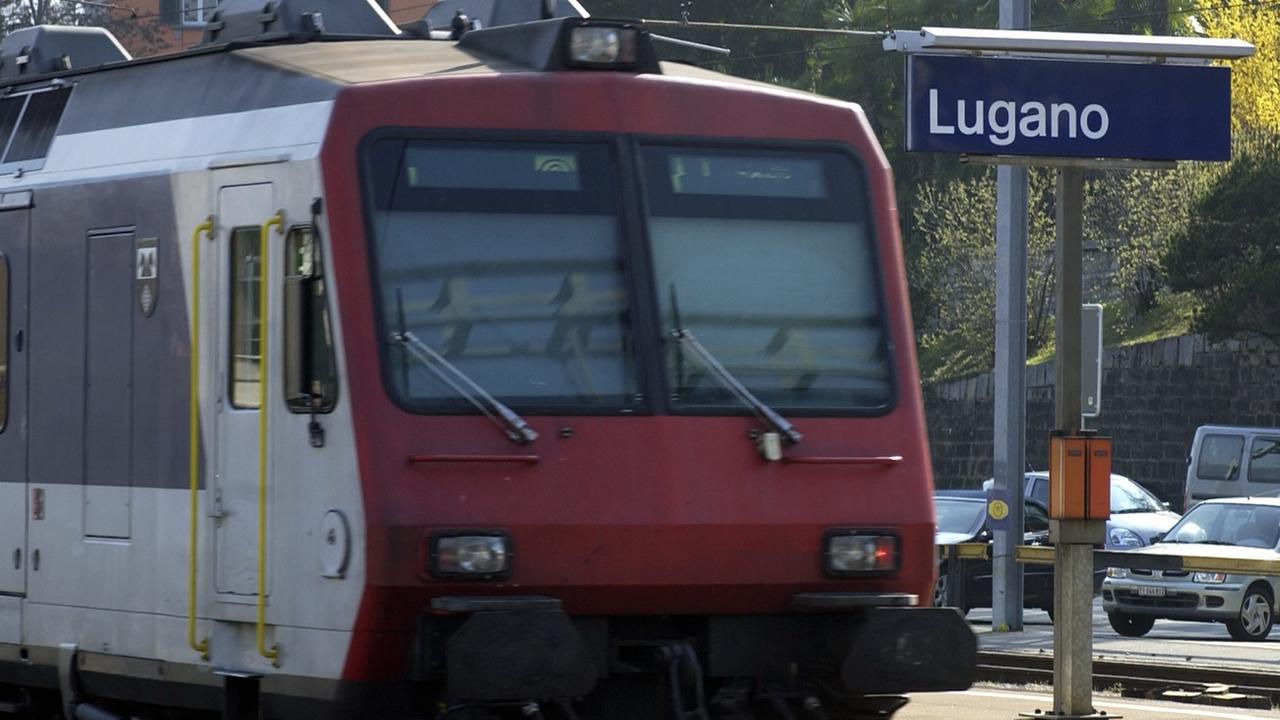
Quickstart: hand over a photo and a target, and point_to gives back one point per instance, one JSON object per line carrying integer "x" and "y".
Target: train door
{"x": 241, "y": 323}
{"x": 15, "y": 237}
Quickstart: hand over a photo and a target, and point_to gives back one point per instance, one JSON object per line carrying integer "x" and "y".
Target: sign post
{"x": 1072, "y": 101}
{"x": 1009, "y": 418}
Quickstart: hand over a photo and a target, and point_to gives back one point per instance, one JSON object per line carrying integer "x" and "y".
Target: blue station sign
{"x": 1068, "y": 108}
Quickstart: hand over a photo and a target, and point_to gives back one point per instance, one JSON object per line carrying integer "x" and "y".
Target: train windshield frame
{"x": 506, "y": 258}
{"x": 769, "y": 256}
{"x": 553, "y": 271}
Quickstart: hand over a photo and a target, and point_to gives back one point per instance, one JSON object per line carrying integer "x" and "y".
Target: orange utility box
{"x": 1079, "y": 477}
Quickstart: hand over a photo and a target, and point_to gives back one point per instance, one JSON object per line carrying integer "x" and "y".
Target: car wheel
{"x": 942, "y": 591}
{"x": 1256, "y": 615}
{"x": 1131, "y": 625}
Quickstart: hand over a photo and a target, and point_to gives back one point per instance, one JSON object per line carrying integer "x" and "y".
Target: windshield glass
{"x": 1128, "y": 496}
{"x": 767, "y": 256}
{"x": 959, "y": 516}
{"x": 506, "y": 259}
{"x": 1229, "y": 523}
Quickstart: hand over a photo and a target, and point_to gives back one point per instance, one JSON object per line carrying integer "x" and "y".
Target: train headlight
{"x": 859, "y": 552}
{"x": 602, "y": 46}
{"x": 479, "y": 555}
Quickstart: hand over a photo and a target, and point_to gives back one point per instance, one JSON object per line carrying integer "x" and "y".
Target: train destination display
{"x": 1039, "y": 107}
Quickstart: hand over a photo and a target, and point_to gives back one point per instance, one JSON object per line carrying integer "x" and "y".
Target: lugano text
{"x": 1004, "y": 120}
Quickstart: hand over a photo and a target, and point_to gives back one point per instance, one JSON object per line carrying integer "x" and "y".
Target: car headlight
{"x": 859, "y": 552}
{"x": 1209, "y": 578}
{"x": 479, "y": 555}
{"x": 1118, "y": 573}
{"x": 1123, "y": 537}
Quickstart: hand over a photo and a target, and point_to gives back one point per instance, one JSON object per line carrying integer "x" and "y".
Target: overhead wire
{"x": 1259, "y": 4}
{"x": 137, "y": 18}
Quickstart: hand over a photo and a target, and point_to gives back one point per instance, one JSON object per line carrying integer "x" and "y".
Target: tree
{"x": 1132, "y": 214}
{"x": 16, "y": 14}
{"x": 1228, "y": 255}
{"x": 1255, "y": 81}
{"x": 133, "y": 31}
{"x": 953, "y": 279}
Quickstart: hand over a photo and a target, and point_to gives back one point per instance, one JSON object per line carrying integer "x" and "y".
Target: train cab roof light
{"x": 602, "y": 46}
{"x": 567, "y": 43}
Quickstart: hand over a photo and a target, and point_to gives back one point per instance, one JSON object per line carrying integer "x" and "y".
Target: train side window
{"x": 311, "y": 378}
{"x": 4, "y": 341}
{"x": 246, "y": 318}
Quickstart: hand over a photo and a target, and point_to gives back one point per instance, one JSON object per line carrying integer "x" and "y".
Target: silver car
{"x": 1229, "y": 528}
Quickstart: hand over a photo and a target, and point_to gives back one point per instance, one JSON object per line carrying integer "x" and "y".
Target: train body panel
{"x": 322, "y": 497}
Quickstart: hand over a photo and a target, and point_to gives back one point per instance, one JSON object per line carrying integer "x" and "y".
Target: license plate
{"x": 1151, "y": 591}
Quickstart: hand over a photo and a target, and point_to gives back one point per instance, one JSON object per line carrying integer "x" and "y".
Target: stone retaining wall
{"x": 1154, "y": 396}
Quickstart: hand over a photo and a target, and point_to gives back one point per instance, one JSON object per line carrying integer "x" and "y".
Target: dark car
{"x": 1138, "y": 518}
{"x": 962, "y": 518}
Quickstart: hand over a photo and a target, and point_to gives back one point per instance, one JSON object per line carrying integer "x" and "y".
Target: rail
{"x": 193, "y": 451}
{"x": 272, "y": 653}
{"x": 1138, "y": 678}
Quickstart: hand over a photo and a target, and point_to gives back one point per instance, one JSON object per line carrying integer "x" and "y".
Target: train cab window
{"x": 505, "y": 260}
{"x": 4, "y": 341}
{"x": 768, "y": 258}
{"x": 246, "y": 318}
{"x": 311, "y": 380}
{"x": 38, "y": 124}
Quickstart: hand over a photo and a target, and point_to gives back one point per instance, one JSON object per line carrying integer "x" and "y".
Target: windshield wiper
{"x": 766, "y": 414}
{"x": 512, "y": 425}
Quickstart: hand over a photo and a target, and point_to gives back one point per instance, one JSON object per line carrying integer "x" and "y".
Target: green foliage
{"x": 1228, "y": 255}
{"x": 1255, "y": 81}
{"x": 953, "y": 278}
{"x": 1132, "y": 214}
{"x": 948, "y": 212}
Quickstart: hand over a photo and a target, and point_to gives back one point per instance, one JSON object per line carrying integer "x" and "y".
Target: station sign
{"x": 1068, "y": 108}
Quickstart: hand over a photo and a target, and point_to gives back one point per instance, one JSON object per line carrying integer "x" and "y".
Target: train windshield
{"x": 506, "y": 260}
{"x": 768, "y": 257}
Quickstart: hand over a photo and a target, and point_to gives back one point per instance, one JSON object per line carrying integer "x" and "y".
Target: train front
{"x": 633, "y": 381}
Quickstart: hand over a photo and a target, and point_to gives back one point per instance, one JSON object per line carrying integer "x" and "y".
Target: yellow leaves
{"x": 1255, "y": 81}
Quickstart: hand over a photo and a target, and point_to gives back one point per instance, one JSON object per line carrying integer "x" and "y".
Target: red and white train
{"x": 351, "y": 372}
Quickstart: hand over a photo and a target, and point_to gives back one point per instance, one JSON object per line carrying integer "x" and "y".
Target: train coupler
{"x": 683, "y": 679}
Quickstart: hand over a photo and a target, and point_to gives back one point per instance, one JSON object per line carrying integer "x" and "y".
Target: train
{"x": 485, "y": 367}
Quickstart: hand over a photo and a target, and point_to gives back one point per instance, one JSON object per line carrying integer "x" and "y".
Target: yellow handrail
{"x": 272, "y": 653}
{"x": 193, "y": 465}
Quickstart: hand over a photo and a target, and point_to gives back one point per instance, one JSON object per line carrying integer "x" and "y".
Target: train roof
{"x": 254, "y": 74}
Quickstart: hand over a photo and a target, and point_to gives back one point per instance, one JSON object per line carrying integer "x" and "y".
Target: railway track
{"x": 1238, "y": 687}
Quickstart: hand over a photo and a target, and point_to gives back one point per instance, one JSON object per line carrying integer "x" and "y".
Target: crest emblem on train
{"x": 146, "y": 275}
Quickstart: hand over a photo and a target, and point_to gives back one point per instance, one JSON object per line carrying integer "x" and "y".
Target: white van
{"x": 1232, "y": 462}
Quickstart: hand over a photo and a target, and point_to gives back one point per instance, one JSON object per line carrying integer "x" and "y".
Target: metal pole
{"x": 1009, "y": 427}
{"x": 1073, "y": 555}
